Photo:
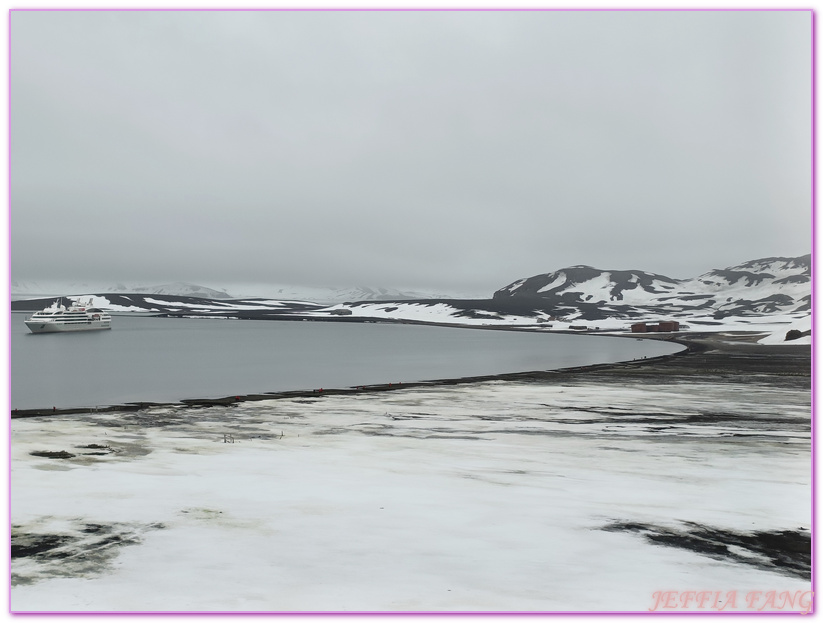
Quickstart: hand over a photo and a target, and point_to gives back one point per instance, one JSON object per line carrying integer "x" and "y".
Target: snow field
{"x": 482, "y": 497}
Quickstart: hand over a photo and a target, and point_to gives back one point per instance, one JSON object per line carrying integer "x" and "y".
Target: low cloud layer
{"x": 426, "y": 149}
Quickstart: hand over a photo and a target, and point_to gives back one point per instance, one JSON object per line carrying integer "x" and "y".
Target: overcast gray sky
{"x": 449, "y": 150}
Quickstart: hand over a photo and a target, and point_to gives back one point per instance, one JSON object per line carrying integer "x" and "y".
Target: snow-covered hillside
{"x": 775, "y": 285}
{"x": 176, "y": 305}
{"x": 802, "y": 329}
{"x": 587, "y": 284}
{"x": 769, "y": 295}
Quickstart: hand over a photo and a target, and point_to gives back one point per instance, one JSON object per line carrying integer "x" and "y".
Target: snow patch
{"x": 778, "y": 336}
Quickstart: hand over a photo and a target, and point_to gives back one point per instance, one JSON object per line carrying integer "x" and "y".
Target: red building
{"x": 666, "y": 326}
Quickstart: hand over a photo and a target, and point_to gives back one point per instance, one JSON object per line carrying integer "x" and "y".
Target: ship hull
{"x": 39, "y": 326}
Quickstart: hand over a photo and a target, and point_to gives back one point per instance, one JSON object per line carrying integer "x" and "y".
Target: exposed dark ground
{"x": 721, "y": 356}
{"x": 788, "y": 552}
{"x": 82, "y": 550}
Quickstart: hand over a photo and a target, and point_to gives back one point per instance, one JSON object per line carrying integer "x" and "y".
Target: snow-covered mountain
{"x": 180, "y": 288}
{"x": 331, "y": 296}
{"x": 774, "y": 285}
{"x": 31, "y": 289}
{"x": 586, "y": 284}
{"x": 365, "y": 293}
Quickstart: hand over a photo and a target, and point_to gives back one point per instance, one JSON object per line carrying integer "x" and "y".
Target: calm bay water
{"x": 169, "y": 359}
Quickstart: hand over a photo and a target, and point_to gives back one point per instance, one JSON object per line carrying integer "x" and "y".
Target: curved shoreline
{"x": 703, "y": 353}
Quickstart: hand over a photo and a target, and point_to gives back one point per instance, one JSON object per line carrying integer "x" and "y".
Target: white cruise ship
{"x": 79, "y": 317}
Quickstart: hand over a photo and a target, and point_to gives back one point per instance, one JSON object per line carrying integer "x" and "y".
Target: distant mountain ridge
{"x": 337, "y": 295}
{"x": 178, "y": 288}
{"x": 773, "y": 289}
{"x": 756, "y": 287}
{"x": 29, "y": 289}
